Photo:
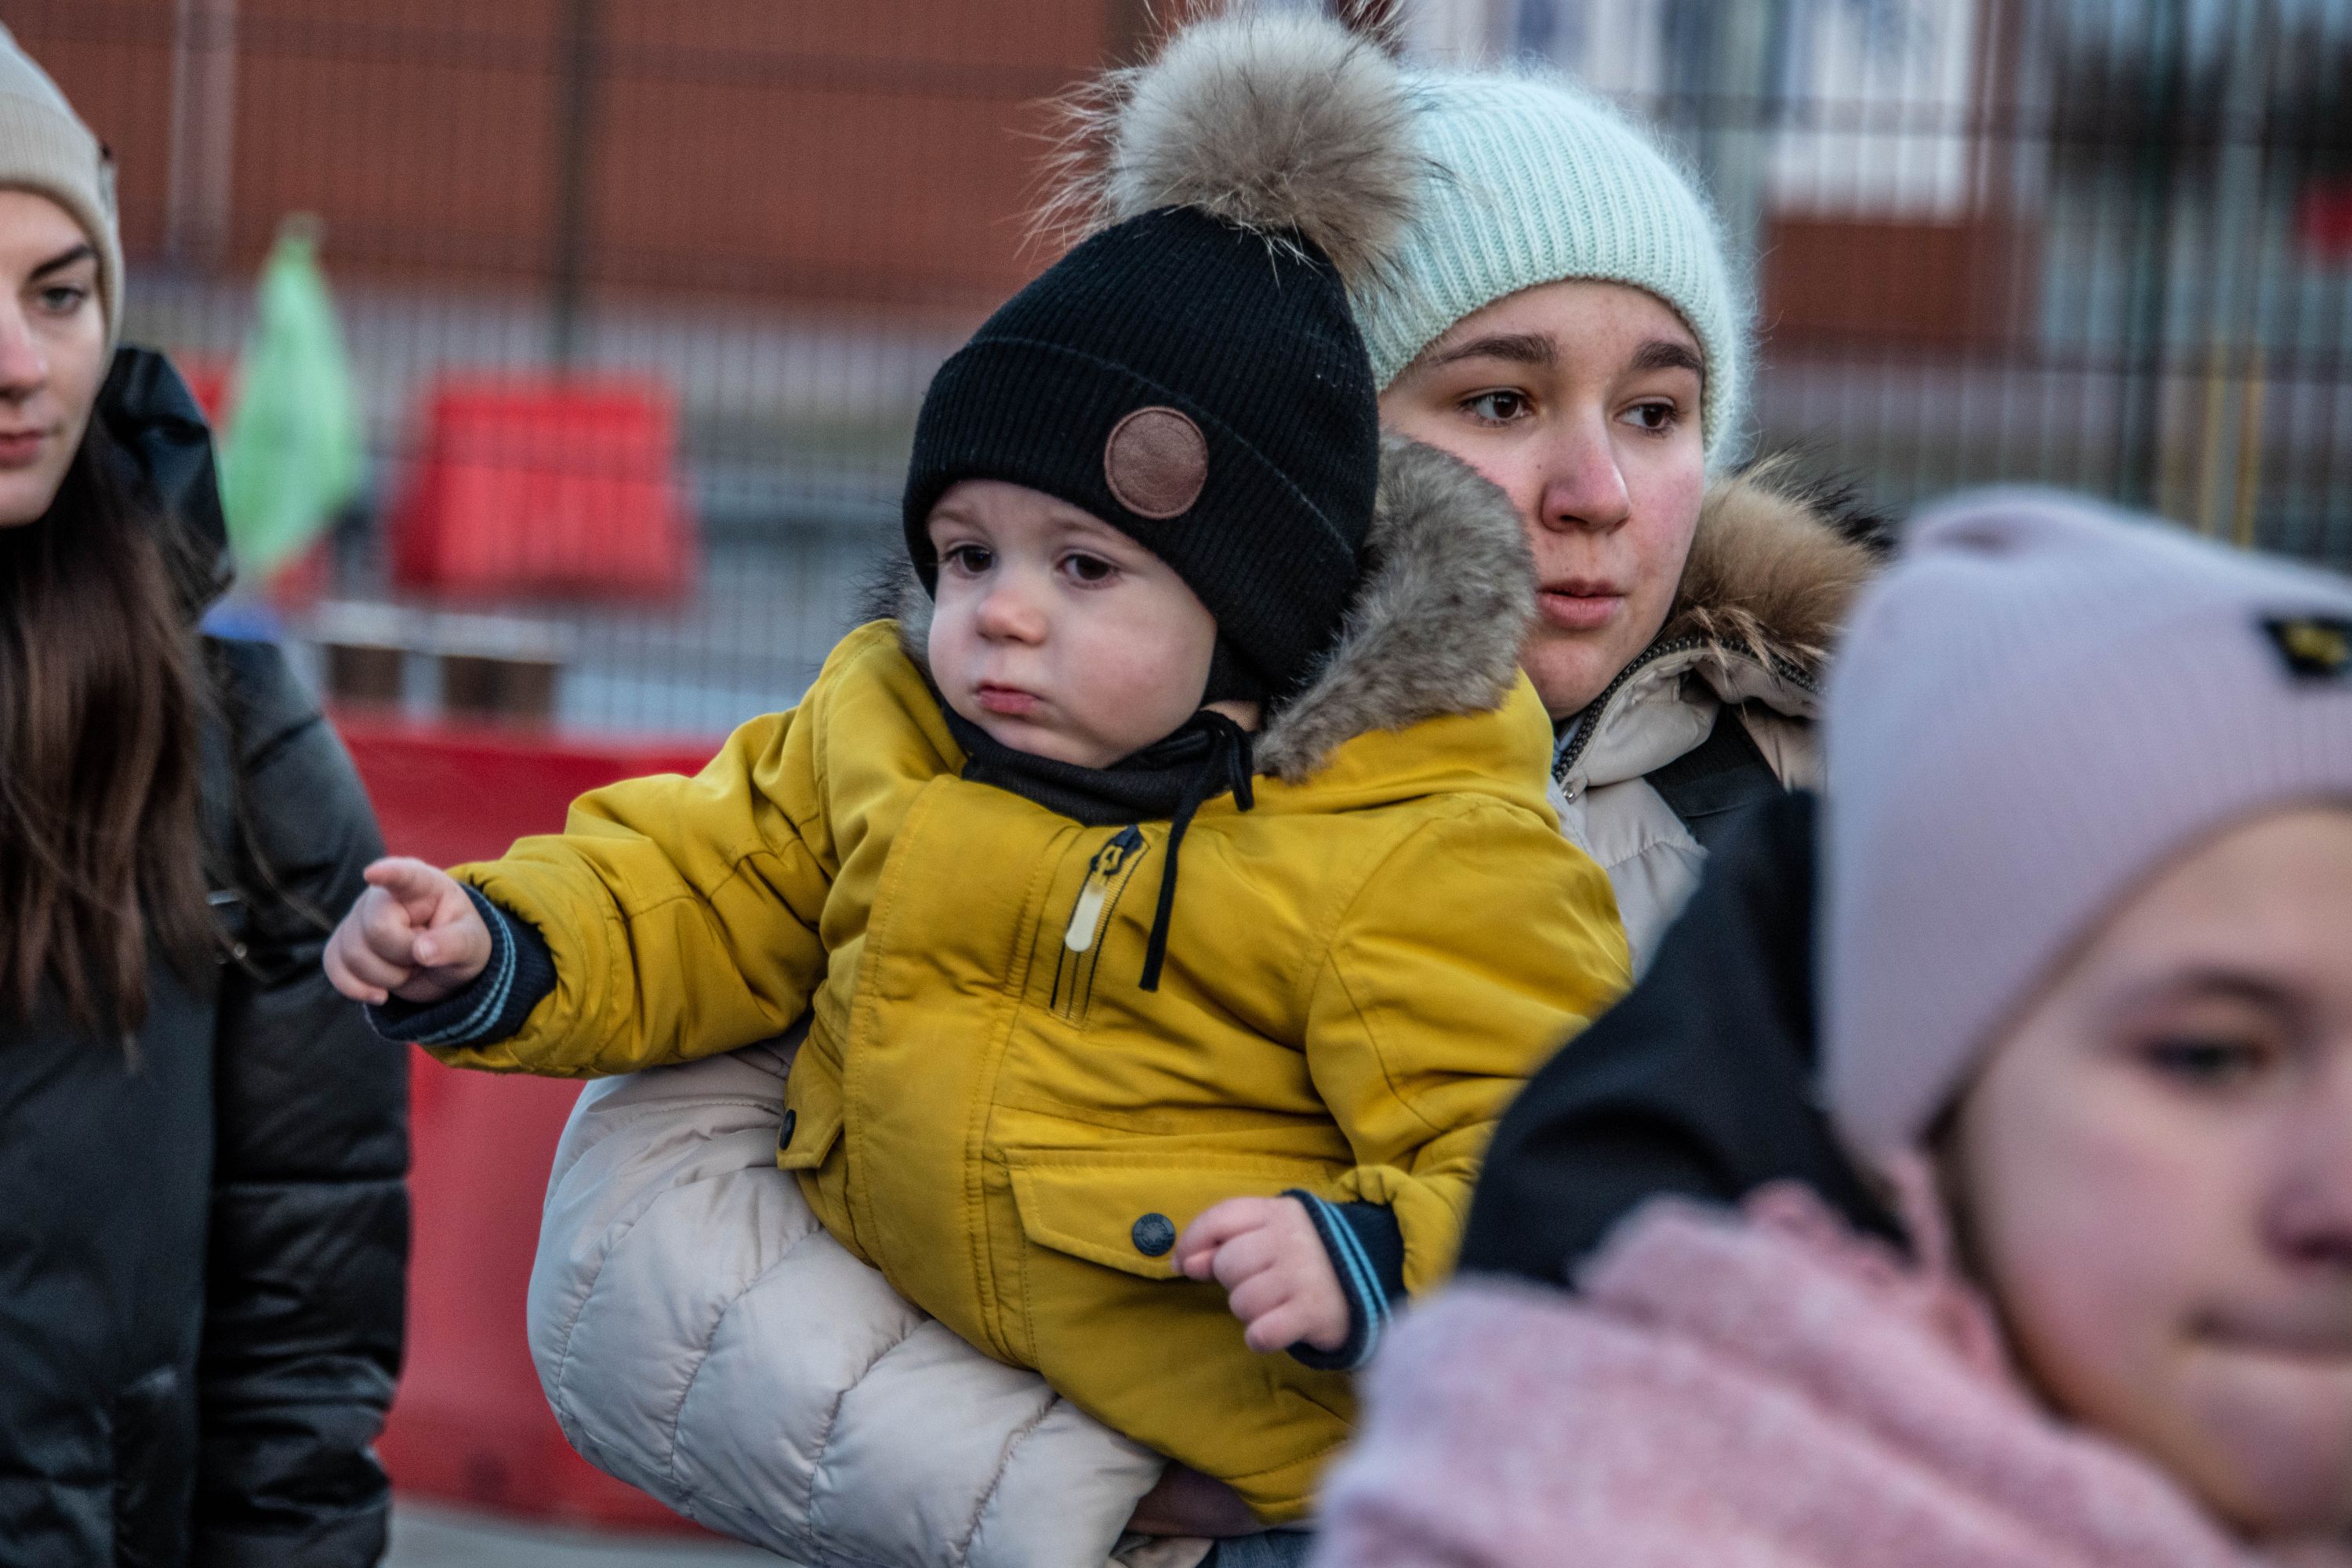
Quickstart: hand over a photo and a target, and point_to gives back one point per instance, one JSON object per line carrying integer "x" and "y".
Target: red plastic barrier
{"x": 208, "y": 378}
{"x": 448, "y": 792}
{"x": 561, "y": 488}
{"x": 470, "y": 1425}
{"x": 2324, "y": 218}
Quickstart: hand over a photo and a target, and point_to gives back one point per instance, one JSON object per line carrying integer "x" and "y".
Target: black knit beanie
{"x": 1191, "y": 374}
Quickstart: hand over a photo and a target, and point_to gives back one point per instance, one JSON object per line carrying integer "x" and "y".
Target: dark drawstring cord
{"x": 1227, "y": 766}
{"x": 1205, "y": 756}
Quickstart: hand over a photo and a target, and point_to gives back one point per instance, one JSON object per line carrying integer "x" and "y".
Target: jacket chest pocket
{"x": 1124, "y": 1211}
{"x": 1080, "y": 937}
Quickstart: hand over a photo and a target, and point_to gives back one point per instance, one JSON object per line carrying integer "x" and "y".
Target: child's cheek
{"x": 2087, "y": 1282}
{"x": 1137, "y": 660}
{"x": 2056, "y": 1184}
{"x": 948, "y": 641}
{"x": 2105, "y": 1249}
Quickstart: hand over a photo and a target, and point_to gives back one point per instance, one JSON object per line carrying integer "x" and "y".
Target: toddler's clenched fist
{"x": 1279, "y": 1279}
{"x": 414, "y": 934}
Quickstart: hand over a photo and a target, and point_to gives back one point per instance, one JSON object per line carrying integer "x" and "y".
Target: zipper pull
{"x": 1100, "y": 872}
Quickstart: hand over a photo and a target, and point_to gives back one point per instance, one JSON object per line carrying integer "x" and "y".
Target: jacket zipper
{"x": 1085, "y": 915}
{"x": 1589, "y": 719}
{"x": 1087, "y": 912}
{"x": 1074, "y": 965}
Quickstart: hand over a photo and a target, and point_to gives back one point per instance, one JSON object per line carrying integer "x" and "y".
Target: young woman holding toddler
{"x": 1559, "y": 313}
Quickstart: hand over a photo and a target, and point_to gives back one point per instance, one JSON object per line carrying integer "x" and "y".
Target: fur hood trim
{"x": 1448, "y": 589}
{"x": 1774, "y": 568}
{"x": 1285, "y": 124}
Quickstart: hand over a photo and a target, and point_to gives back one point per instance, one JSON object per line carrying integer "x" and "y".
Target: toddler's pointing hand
{"x": 414, "y": 934}
{"x": 1279, "y": 1279}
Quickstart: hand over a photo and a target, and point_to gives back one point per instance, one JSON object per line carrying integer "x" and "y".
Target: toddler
{"x": 2087, "y": 1014}
{"x": 1083, "y": 1109}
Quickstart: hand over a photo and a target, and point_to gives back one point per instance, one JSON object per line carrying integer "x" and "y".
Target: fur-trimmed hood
{"x": 1774, "y": 568}
{"x": 1433, "y": 629}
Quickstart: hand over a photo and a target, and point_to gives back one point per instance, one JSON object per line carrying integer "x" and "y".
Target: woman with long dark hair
{"x": 203, "y": 1206}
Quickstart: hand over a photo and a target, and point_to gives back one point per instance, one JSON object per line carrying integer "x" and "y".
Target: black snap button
{"x": 1154, "y": 1233}
{"x": 784, "y": 1133}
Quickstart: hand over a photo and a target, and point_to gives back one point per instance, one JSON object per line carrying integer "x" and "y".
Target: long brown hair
{"x": 101, "y": 849}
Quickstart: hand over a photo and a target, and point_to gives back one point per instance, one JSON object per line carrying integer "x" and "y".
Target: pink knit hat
{"x": 2039, "y": 704}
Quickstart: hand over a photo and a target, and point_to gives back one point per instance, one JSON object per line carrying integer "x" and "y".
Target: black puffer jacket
{"x": 202, "y": 1243}
{"x": 1699, "y": 1081}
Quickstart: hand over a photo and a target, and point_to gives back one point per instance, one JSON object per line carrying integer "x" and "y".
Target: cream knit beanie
{"x": 1535, "y": 181}
{"x": 46, "y": 148}
{"x": 2036, "y": 707}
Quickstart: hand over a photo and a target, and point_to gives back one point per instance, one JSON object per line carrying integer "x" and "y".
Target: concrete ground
{"x": 434, "y": 1537}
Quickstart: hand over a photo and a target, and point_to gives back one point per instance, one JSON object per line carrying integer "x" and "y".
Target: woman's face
{"x": 2153, "y": 1175}
{"x": 1581, "y": 401}
{"x": 52, "y": 351}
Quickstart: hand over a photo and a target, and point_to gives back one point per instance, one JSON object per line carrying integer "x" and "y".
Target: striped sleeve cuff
{"x": 1367, "y": 1251}
{"x": 518, "y": 977}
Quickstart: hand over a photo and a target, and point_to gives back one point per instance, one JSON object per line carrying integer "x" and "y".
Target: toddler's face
{"x": 2153, "y": 1175}
{"x": 1058, "y": 634}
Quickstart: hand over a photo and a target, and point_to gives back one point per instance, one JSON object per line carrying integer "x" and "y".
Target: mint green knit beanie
{"x": 1535, "y": 181}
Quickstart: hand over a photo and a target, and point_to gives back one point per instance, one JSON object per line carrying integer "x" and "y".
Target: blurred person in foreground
{"x": 2086, "y": 1026}
{"x": 1561, "y": 314}
{"x": 203, "y": 1207}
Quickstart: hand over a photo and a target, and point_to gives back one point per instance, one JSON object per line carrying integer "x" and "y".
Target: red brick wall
{"x": 1852, "y": 282}
{"x": 882, "y": 150}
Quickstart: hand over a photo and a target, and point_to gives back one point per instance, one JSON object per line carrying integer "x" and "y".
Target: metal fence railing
{"x": 2105, "y": 243}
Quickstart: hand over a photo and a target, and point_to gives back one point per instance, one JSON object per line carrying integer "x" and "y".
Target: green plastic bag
{"x": 292, "y": 457}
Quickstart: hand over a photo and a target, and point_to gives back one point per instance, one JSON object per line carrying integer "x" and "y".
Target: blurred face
{"x": 2154, "y": 1174}
{"x": 52, "y": 351}
{"x": 1581, "y": 401}
{"x": 1058, "y": 634}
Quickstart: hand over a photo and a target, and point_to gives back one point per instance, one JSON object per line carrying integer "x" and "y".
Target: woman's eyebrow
{"x": 2219, "y": 979}
{"x": 1519, "y": 348}
{"x": 63, "y": 259}
{"x": 1665, "y": 354}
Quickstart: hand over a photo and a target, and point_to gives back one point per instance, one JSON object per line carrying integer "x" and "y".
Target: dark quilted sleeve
{"x": 1699, "y": 1082}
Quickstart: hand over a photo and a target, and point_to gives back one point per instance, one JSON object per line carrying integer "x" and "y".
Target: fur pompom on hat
{"x": 46, "y": 149}
{"x": 1190, "y": 372}
{"x": 1286, "y": 125}
{"x": 2035, "y": 708}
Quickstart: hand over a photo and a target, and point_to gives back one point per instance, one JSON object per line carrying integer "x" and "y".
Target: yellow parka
{"x": 989, "y": 1109}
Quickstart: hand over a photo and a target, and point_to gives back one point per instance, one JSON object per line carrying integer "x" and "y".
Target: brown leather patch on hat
{"x": 1157, "y": 462}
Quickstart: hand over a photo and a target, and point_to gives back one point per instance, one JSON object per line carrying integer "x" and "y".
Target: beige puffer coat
{"x": 700, "y": 1336}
